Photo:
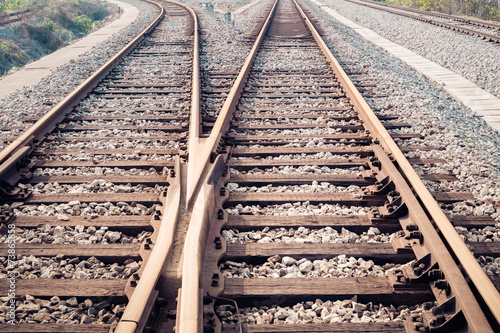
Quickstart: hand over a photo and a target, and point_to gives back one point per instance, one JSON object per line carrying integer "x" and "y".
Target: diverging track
{"x": 306, "y": 217}
{"x": 296, "y": 212}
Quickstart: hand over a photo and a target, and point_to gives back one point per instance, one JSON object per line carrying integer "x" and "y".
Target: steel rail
{"x": 479, "y": 278}
{"x": 200, "y": 199}
{"x": 201, "y": 149}
{"x": 190, "y": 304}
{"x": 195, "y": 122}
{"x": 201, "y": 196}
{"x": 143, "y": 296}
{"x": 138, "y": 309}
{"x": 49, "y": 121}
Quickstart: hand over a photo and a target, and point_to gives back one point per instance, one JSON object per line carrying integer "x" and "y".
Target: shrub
{"x": 83, "y": 23}
{"x": 5, "y": 48}
{"x": 95, "y": 13}
{"x": 11, "y": 56}
{"x": 13, "y": 4}
{"x": 51, "y": 25}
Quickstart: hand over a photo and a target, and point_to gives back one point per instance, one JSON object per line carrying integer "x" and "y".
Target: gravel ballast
{"x": 472, "y": 58}
{"x": 305, "y": 235}
{"x": 287, "y": 267}
{"x": 469, "y": 147}
{"x": 319, "y": 311}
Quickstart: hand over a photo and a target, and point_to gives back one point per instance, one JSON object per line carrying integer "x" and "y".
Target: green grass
{"x": 14, "y": 4}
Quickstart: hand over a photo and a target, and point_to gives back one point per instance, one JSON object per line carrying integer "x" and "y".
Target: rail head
{"x": 190, "y": 307}
{"x": 195, "y": 121}
{"x": 479, "y": 278}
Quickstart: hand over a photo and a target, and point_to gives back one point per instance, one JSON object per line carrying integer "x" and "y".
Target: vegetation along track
{"x": 486, "y": 30}
{"x": 98, "y": 188}
{"x": 297, "y": 203}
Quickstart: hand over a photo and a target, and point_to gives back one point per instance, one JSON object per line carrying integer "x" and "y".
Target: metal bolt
{"x": 207, "y": 300}
{"x": 435, "y": 274}
{"x": 440, "y": 319}
{"x": 220, "y": 214}
{"x": 441, "y": 284}
{"x": 222, "y": 191}
{"x": 414, "y": 234}
{"x": 393, "y": 194}
{"x": 218, "y": 244}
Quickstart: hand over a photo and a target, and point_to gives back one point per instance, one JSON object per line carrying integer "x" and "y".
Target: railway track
{"x": 297, "y": 206}
{"x": 98, "y": 187}
{"x": 299, "y": 164}
{"x": 486, "y": 30}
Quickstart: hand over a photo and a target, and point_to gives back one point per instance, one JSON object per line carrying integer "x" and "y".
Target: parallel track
{"x": 488, "y": 31}
{"x": 105, "y": 169}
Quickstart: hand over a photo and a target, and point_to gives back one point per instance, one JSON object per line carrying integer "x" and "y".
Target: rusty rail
{"x": 143, "y": 298}
{"x": 458, "y": 247}
{"x": 190, "y": 305}
{"x": 200, "y": 197}
{"x": 202, "y": 149}
{"x": 462, "y": 19}
{"x": 140, "y": 304}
